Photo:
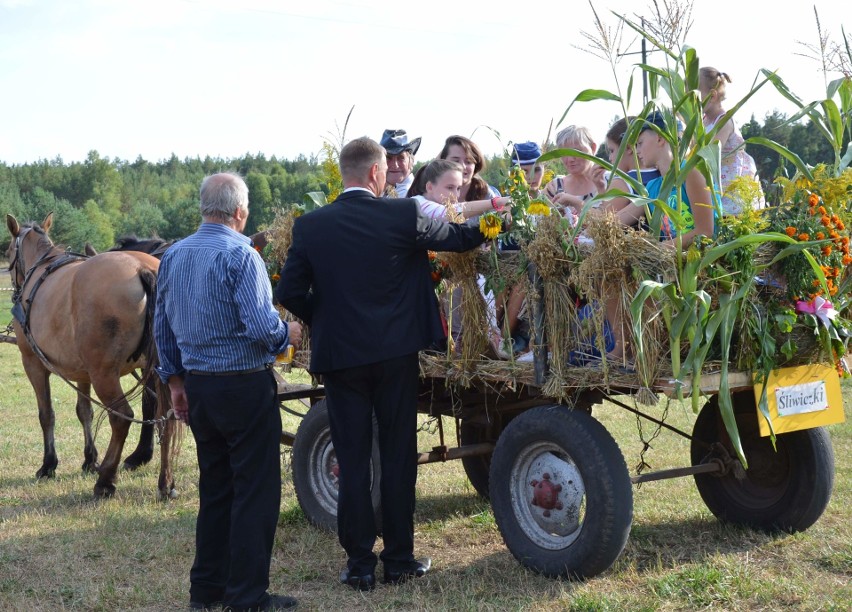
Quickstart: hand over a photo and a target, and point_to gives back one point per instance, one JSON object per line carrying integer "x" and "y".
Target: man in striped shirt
{"x": 217, "y": 335}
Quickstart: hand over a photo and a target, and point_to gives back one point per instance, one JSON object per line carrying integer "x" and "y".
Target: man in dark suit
{"x": 358, "y": 273}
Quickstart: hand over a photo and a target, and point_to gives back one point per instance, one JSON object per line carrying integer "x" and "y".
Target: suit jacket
{"x": 358, "y": 273}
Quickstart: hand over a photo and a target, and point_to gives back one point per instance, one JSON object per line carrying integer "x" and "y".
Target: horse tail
{"x": 147, "y": 345}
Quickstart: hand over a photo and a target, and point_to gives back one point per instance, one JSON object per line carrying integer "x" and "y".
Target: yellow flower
{"x": 490, "y": 225}
{"x": 518, "y": 177}
{"x": 276, "y": 278}
{"x": 538, "y": 207}
{"x": 693, "y": 254}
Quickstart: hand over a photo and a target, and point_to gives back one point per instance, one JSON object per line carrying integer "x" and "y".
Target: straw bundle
{"x": 547, "y": 251}
{"x": 464, "y": 300}
{"x": 280, "y": 235}
{"x": 610, "y": 275}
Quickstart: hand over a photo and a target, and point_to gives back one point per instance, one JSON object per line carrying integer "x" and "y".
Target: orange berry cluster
{"x": 833, "y": 226}
{"x": 438, "y": 267}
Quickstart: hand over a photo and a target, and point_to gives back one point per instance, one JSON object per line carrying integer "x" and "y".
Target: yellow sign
{"x": 801, "y": 398}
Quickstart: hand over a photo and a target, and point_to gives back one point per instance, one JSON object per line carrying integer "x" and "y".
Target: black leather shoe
{"x": 367, "y": 582}
{"x": 271, "y": 603}
{"x": 417, "y": 569}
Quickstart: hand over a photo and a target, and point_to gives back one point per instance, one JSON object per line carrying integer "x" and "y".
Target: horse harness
{"x": 21, "y": 308}
{"x": 21, "y": 312}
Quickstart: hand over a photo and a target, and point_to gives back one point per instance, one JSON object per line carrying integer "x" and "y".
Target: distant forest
{"x": 100, "y": 199}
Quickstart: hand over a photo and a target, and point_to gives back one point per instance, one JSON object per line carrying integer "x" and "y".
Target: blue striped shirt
{"x": 214, "y": 306}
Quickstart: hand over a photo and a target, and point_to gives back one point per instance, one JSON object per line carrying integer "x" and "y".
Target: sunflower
{"x": 490, "y": 224}
{"x": 537, "y": 207}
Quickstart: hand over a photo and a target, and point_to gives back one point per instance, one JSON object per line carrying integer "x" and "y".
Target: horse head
{"x": 30, "y": 244}
{"x": 154, "y": 246}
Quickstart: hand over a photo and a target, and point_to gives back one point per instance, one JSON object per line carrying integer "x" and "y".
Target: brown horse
{"x": 90, "y": 322}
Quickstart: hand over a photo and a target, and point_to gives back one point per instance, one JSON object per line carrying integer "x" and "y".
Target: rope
{"x": 646, "y": 443}
{"x": 8, "y": 334}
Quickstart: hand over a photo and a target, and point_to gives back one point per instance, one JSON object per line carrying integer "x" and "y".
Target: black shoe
{"x": 271, "y": 603}
{"x": 203, "y": 605}
{"x": 365, "y": 582}
{"x": 417, "y": 569}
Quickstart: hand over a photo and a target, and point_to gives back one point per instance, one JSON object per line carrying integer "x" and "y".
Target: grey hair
{"x": 222, "y": 194}
{"x": 574, "y": 135}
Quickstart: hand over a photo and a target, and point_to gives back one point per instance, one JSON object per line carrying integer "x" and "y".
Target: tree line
{"x": 99, "y": 199}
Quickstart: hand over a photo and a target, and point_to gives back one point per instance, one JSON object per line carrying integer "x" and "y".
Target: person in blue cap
{"x": 400, "y": 158}
{"x": 511, "y": 305}
{"x": 697, "y": 201}
{"x": 525, "y": 155}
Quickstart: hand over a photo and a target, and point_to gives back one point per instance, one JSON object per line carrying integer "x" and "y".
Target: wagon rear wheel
{"x": 787, "y": 490}
{"x": 561, "y": 492}
{"x": 477, "y": 467}
{"x": 315, "y": 470}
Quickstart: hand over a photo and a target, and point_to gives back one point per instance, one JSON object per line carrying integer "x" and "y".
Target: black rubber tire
{"x": 313, "y": 463}
{"x": 563, "y": 446}
{"x": 477, "y": 468}
{"x": 787, "y": 490}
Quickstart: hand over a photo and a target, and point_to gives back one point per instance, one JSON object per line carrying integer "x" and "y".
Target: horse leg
{"x": 171, "y": 431}
{"x": 40, "y": 380}
{"x": 84, "y": 413}
{"x": 169, "y": 442}
{"x": 145, "y": 449}
{"x": 111, "y": 394}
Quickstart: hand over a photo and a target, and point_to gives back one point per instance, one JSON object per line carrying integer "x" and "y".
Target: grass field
{"x": 61, "y": 550}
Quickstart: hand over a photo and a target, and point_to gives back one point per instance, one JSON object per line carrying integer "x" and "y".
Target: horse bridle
{"x": 18, "y": 263}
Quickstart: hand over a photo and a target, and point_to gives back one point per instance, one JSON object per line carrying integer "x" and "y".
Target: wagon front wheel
{"x": 561, "y": 492}
{"x": 315, "y": 470}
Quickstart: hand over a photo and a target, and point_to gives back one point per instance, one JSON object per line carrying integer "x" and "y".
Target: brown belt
{"x": 267, "y": 366}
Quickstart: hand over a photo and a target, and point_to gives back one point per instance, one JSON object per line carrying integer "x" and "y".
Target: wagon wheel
{"x": 787, "y": 490}
{"x": 477, "y": 467}
{"x": 561, "y": 492}
{"x": 315, "y": 470}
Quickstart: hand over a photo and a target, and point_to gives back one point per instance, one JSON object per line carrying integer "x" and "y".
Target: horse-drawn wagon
{"x": 558, "y": 484}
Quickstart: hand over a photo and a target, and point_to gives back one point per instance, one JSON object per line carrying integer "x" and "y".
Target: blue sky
{"x": 210, "y": 77}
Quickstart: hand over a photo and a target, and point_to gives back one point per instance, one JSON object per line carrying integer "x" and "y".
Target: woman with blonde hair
{"x": 584, "y": 179}
{"x": 735, "y": 161}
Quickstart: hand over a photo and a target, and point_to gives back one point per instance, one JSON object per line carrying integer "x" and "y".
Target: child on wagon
{"x": 437, "y": 188}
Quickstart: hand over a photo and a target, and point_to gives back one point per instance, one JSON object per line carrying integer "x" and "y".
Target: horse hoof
{"x": 135, "y": 461}
{"x": 46, "y": 473}
{"x": 104, "y": 491}
{"x": 90, "y": 468}
{"x": 168, "y": 496}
